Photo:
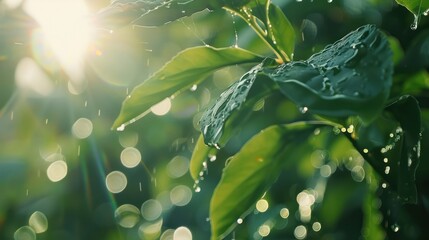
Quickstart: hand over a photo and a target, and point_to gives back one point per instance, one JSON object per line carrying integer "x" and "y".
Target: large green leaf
{"x": 189, "y": 67}
{"x": 251, "y": 172}
{"x": 214, "y": 118}
{"x": 391, "y": 144}
{"x": 353, "y": 76}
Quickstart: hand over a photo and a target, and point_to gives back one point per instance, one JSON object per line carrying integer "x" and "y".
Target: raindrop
{"x": 198, "y": 189}
{"x": 240, "y": 221}
{"x": 284, "y": 213}
{"x": 264, "y": 230}
{"x": 162, "y": 107}
{"x": 262, "y": 205}
{"x": 316, "y": 226}
{"x": 121, "y": 128}
{"x": 194, "y": 88}
{"x": 116, "y": 182}
{"x": 57, "y": 171}
{"x": 151, "y": 209}
{"x": 130, "y": 157}
{"x": 415, "y": 23}
{"x": 212, "y": 158}
{"x": 387, "y": 170}
{"x": 24, "y": 233}
{"x": 426, "y": 13}
{"x": 182, "y": 233}
{"x": 180, "y": 195}
{"x": 127, "y": 215}
{"x": 303, "y": 109}
{"x": 384, "y": 185}
{"x": 395, "y": 227}
{"x": 82, "y": 128}
{"x": 38, "y": 222}
{"x": 300, "y": 232}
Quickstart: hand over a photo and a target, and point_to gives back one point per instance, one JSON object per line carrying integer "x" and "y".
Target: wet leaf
{"x": 251, "y": 172}
{"x": 353, "y": 76}
{"x": 214, "y": 118}
{"x": 189, "y": 67}
{"x": 391, "y": 144}
{"x": 248, "y": 90}
{"x": 416, "y": 7}
{"x": 199, "y": 156}
{"x": 281, "y": 31}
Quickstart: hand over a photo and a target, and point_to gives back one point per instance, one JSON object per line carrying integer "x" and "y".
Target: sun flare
{"x": 66, "y": 30}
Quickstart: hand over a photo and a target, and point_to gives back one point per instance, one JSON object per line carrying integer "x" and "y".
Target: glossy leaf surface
{"x": 189, "y": 67}
{"x": 353, "y": 76}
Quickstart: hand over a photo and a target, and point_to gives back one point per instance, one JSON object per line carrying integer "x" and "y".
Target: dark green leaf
{"x": 353, "y": 76}
{"x": 214, "y": 119}
{"x": 251, "y": 172}
{"x": 281, "y": 31}
{"x": 391, "y": 144}
{"x": 189, "y": 67}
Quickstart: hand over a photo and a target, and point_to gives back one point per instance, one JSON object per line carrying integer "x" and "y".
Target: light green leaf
{"x": 353, "y": 76}
{"x": 200, "y": 155}
{"x": 281, "y": 31}
{"x": 250, "y": 173}
{"x": 189, "y": 67}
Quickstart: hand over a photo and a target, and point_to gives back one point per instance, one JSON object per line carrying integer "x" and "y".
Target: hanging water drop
{"x": 121, "y": 128}
{"x": 415, "y": 24}
{"x": 395, "y": 227}
{"x": 240, "y": 221}
{"x": 426, "y": 12}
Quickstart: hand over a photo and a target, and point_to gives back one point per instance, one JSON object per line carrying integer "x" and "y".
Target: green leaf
{"x": 189, "y": 67}
{"x": 250, "y": 173}
{"x": 391, "y": 144}
{"x": 281, "y": 31}
{"x": 214, "y": 118}
{"x": 353, "y": 76}
{"x": 199, "y": 156}
{"x": 147, "y": 13}
{"x": 416, "y": 7}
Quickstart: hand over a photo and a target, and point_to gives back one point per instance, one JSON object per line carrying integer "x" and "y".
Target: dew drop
{"x": 198, "y": 189}
{"x": 387, "y": 170}
{"x": 303, "y": 109}
{"x": 121, "y": 128}
{"x": 38, "y": 222}
{"x": 127, "y": 215}
{"x": 415, "y": 24}
{"x": 24, "y": 233}
{"x": 240, "y": 221}
{"x": 395, "y": 227}
{"x": 194, "y": 88}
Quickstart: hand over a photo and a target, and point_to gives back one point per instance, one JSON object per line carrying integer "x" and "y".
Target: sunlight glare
{"x": 66, "y": 29}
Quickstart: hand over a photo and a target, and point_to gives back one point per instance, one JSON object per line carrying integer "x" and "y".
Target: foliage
{"x": 324, "y": 130}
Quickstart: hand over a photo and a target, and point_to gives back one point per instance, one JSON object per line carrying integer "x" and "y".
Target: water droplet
{"x": 395, "y": 227}
{"x": 316, "y": 226}
{"x": 426, "y": 12}
{"x": 38, "y": 222}
{"x": 121, "y": 128}
{"x": 240, "y": 221}
{"x": 116, "y": 182}
{"x": 415, "y": 23}
{"x": 387, "y": 170}
{"x": 303, "y": 109}
{"x": 127, "y": 215}
{"x": 384, "y": 185}
{"x": 151, "y": 210}
{"x": 198, "y": 189}
{"x": 24, "y": 233}
{"x": 212, "y": 158}
{"x": 385, "y": 160}
{"x": 194, "y": 88}
{"x": 365, "y": 150}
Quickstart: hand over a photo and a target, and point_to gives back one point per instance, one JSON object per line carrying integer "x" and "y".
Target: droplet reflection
{"x": 38, "y": 222}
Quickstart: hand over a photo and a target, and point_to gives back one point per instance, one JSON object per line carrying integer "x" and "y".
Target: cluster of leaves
{"x": 344, "y": 86}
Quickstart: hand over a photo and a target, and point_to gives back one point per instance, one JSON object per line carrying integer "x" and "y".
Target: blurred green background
{"x": 65, "y": 173}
